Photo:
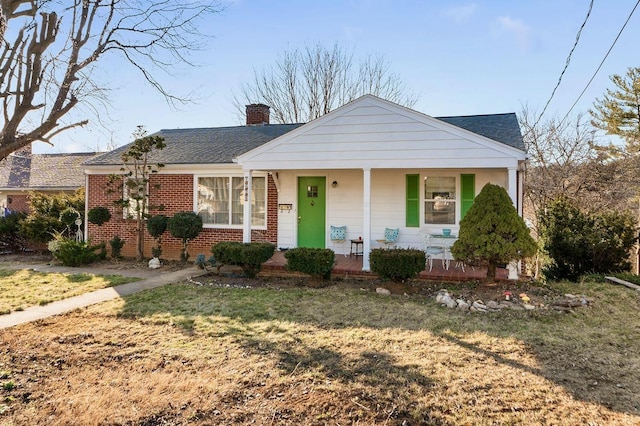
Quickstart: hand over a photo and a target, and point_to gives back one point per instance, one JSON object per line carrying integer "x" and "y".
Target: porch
{"x": 351, "y": 267}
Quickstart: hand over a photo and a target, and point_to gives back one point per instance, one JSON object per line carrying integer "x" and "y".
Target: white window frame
{"x": 424, "y": 199}
{"x": 129, "y": 211}
{"x": 229, "y": 177}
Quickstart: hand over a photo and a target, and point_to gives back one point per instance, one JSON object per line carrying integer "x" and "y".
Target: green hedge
{"x": 249, "y": 256}
{"x": 75, "y": 253}
{"x": 316, "y": 262}
{"x": 397, "y": 264}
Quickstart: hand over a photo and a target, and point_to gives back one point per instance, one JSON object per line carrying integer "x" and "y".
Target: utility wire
{"x": 602, "y": 62}
{"x": 566, "y": 65}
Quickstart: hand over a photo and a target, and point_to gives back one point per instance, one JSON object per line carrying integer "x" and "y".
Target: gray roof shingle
{"x": 499, "y": 127}
{"x": 43, "y": 171}
{"x": 220, "y": 145}
{"x": 215, "y": 145}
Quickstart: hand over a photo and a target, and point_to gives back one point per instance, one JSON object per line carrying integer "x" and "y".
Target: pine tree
{"x": 618, "y": 113}
{"x": 492, "y": 233}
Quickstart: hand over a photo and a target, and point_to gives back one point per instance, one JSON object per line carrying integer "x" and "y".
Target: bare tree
{"x": 565, "y": 160}
{"x": 306, "y": 84}
{"x": 50, "y": 49}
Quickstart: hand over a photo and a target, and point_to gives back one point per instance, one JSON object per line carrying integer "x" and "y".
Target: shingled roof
{"x": 216, "y": 145}
{"x": 499, "y": 127}
{"x": 43, "y": 171}
{"x": 220, "y": 145}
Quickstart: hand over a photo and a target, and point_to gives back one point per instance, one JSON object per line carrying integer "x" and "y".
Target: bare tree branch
{"x": 49, "y": 49}
{"x": 306, "y": 84}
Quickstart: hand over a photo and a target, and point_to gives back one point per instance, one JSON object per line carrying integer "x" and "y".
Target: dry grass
{"x": 22, "y": 288}
{"x": 184, "y": 354}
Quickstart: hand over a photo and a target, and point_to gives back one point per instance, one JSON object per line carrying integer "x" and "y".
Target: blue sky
{"x": 459, "y": 57}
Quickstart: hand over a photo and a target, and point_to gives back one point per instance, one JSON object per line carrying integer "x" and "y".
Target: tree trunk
{"x": 491, "y": 272}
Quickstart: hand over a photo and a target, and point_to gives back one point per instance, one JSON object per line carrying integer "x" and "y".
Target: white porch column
{"x": 513, "y": 186}
{"x": 366, "y": 219}
{"x": 514, "y": 267}
{"x": 246, "y": 222}
{"x": 520, "y": 191}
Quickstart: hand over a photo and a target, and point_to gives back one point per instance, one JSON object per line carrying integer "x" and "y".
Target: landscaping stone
{"x": 383, "y": 291}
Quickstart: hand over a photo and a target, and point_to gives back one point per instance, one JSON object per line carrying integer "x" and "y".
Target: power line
{"x": 566, "y": 65}
{"x": 602, "y": 62}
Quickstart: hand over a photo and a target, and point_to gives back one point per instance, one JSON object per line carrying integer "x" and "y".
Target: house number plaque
{"x": 246, "y": 189}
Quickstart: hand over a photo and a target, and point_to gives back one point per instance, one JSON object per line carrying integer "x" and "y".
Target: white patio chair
{"x": 430, "y": 250}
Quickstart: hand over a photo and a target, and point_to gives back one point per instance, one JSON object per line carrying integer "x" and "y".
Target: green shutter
{"x": 468, "y": 193}
{"x": 413, "y": 201}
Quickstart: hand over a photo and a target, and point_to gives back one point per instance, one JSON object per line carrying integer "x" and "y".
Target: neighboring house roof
{"x": 223, "y": 144}
{"x": 215, "y": 145}
{"x": 43, "y": 171}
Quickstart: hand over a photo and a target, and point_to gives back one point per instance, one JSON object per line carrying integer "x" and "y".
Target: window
{"x": 220, "y": 200}
{"x": 440, "y": 200}
{"x": 135, "y": 194}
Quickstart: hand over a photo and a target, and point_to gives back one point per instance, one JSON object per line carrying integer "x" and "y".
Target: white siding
{"x": 372, "y": 134}
{"x": 388, "y": 200}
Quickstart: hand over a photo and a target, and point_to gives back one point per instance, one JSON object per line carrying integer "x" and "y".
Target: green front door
{"x": 311, "y": 211}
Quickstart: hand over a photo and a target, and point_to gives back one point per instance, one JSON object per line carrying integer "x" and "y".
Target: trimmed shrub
{"x": 116, "y": 244}
{"x": 397, "y": 264}
{"x": 186, "y": 226}
{"x": 156, "y": 225}
{"x": 316, "y": 262}
{"x": 249, "y": 256}
{"x": 74, "y": 253}
{"x": 98, "y": 215}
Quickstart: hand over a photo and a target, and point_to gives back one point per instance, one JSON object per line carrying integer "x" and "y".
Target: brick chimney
{"x": 257, "y": 114}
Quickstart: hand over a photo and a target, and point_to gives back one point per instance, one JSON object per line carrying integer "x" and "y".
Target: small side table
{"x": 358, "y": 245}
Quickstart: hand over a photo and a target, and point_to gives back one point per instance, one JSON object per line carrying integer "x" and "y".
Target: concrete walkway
{"x": 34, "y": 313}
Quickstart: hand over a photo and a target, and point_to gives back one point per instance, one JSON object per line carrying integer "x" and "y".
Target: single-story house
{"x": 23, "y": 172}
{"x": 368, "y": 165}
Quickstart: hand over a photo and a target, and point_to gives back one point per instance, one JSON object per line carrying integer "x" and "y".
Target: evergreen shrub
{"x": 316, "y": 262}
{"x": 397, "y": 264}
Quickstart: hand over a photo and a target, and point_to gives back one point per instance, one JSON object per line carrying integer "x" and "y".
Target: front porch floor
{"x": 351, "y": 267}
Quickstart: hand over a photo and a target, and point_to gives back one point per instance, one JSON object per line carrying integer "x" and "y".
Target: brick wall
{"x": 176, "y": 194}
{"x": 19, "y": 203}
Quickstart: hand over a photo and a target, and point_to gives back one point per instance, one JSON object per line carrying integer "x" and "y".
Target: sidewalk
{"x": 34, "y": 313}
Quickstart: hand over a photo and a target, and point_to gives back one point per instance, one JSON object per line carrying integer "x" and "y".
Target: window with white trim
{"x": 135, "y": 192}
{"x": 220, "y": 200}
{"x": 440, "y": 200}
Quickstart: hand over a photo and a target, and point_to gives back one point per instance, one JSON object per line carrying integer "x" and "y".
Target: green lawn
{"x": 21, "y": 288}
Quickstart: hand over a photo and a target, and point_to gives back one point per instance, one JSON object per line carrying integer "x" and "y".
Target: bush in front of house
{"x": 316, "y": 262}
{"x": 98, "y": 215}
{"x": 43, "y": 221}
{"x": 185, "y": 226}
{"x": 156, "y": 225}
{"x": 397, "y": 264}
{"x": 249, "y": 256}
{"x": 492, "y": 232}
{"x": 116, "y": 244}
{"x": 75, "y": 253}
{"x": 10, "y": 236}
{"x": 579, "y": 242}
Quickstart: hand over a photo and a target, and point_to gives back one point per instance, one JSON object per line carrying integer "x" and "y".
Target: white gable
{"x": 373, "y": 133}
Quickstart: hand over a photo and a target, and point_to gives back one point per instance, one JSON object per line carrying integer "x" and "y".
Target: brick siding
{"x": 176, "y": 194}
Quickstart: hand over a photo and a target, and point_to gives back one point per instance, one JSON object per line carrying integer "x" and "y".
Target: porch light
{"x": 334, "y": 183}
